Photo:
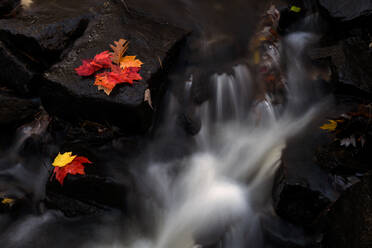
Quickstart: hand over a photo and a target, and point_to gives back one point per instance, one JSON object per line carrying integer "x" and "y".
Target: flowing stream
{"x": 218, "y": 195}
{"x": 224, "y": 188}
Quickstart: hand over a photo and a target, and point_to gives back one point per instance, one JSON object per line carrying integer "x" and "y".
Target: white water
{"x": 225, "y": 188}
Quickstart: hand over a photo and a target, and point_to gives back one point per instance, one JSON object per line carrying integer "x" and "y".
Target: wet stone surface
{"x": 66, "y": 94}
{"x": 347, "y": 10}
{"x": 15, "y": 111}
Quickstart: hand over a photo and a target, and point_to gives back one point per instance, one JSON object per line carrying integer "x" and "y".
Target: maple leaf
{"x": 102, "y": 60}
{"x": 103, "y": 83}
{"x": 332, "y": 125}
{"x": 86, "y": 69}
{"x": 108, "y": 80}
{"x": 119, "y": 49}
{"x": 8, "y": 201}
{"x": 130, "y": 61}
{"x": 63, "y": 159}
{"x": 74, "y": 167}
{"x": 131, "y": 74}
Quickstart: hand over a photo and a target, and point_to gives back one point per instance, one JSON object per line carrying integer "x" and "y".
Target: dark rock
{"x": 302, "y": 190}
{"x": 69, "y": 95}
{"x": 7, "y": 6}
{"x": 357, "y": 70}
{"x": 101, "y": 190}
{"x": 299, "y": 203}
{"x": 350, "y": 218}
{"x": 44, "y": 30}
{"x": 347, "y": 10}
{"x": 36, "y": 38}
{"x": 15, "y": 111}
{"x": 108, "y": 179}
{"x": 72, "y": 207}
{"x": 190, "y": 123}
{"x": 16, "y": 74}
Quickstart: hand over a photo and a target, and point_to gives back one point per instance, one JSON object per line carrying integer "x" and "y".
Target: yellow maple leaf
{"x": 63, "y": 159}
{"x": 130, "y": 61}
{"x": 331, "y": 126}
{"x": 8, "y": 201}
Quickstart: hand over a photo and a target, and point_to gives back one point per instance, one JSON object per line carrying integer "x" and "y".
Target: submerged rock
{"x": 66, "y": 94}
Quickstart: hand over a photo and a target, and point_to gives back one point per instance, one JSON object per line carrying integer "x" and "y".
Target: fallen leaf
{"x": 8, "y": 201}
{"x": 119, "y": 49}
{"x": 108, "y": 80}
{"x": 331, "y": 126}
{"x": 102, "y": 60}
{"x": 63, "y": 159}
{"x": 130, "y": 61}
{"x": 74, "y": 167}
{"x": 148, "y": 97}
{"x": 86, "y": 69}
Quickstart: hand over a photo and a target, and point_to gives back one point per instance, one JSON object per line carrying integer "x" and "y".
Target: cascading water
{"x": 217, "y": 195}
{"x": 224, "y": 189}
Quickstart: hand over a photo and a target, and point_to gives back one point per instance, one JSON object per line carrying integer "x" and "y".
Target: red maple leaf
{"x": 101, "y": 60}
{"x": 86, "y": 69}
{"x": 73, "y": 168}
{"x": 108, "y": 80}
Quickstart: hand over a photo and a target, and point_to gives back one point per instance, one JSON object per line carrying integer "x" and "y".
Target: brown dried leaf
{"x": 148, "y": 97}
{"x": 119, "y": 49}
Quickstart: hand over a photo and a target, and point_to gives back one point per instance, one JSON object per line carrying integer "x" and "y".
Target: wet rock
{"x": 190, "y": 122}
{"x": 108, "y": 179}
{"x": 35, "y": 39}
{"x": 303, "y": 191}
{"x": 16, "y": 74}
{"x": 7, "y": 6}
{"x": 350, "y": 219}
{"x": 15, "y": 111}
{"x": 66, "y": 94}
{"x": 357, "y": 70}
{"x": 347, "y": 10}
{"x": 300, "y": 204}
{"x": 72, "y": 207}
{"x": 46, "y": 28}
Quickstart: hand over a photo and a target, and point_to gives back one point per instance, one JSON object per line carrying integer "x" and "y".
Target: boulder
{"x": 347, "y": 10}
{"x": 66, "y": 94}
{"x": 357, "y": 70}
{"x": 349, "y": 222}
{"x": 107, "y": 181}
{"x": 14, "y": 111}
{"x": 7, "y": 6}
{"x": 16, "y": 74}
{"x": 35, "y": 38}
{"x": 302, "y": 190}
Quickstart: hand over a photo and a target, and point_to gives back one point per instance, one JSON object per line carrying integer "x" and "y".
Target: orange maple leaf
{"x": 130, "y": 61}
{"x": 119, "y": 49}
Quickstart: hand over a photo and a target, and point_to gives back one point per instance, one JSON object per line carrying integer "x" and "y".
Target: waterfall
{"x": 224, "y": 188}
